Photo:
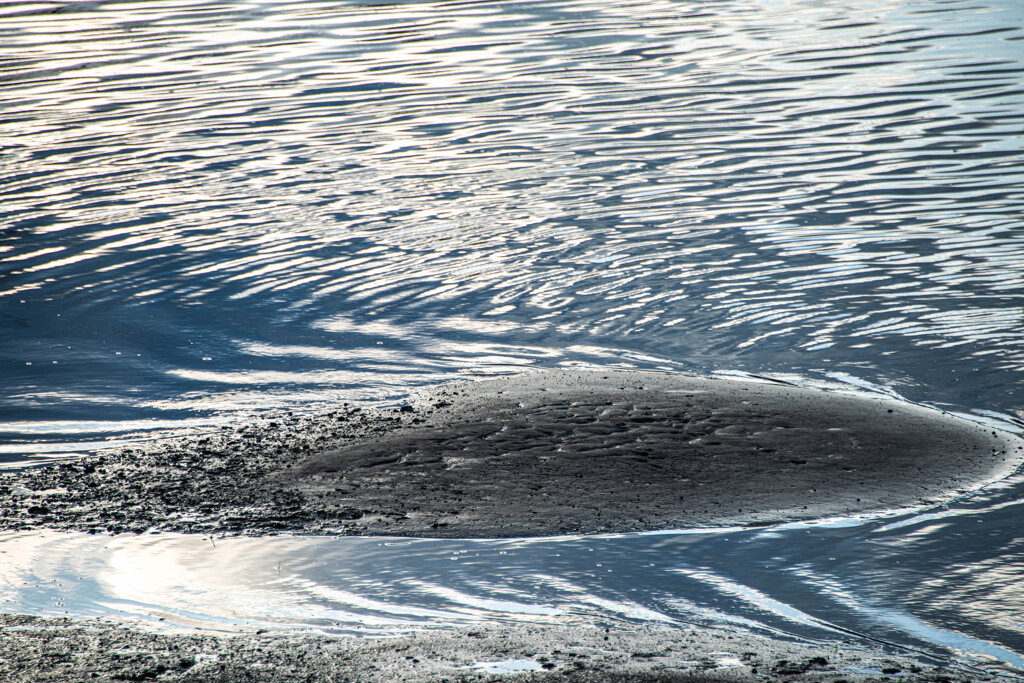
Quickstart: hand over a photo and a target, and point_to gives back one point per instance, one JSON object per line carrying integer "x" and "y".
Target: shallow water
{"x": 214, "y": 209}
{"x": 868, "y": 580}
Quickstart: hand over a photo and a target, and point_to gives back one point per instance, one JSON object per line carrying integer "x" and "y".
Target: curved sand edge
{"x": 543, "y": 453}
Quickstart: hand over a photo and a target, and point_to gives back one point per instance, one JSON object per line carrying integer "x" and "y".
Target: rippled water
{"x": 924, "y": 583}
{"x": 211, "y": 208}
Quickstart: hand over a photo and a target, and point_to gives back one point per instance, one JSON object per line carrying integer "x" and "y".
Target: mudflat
{"x": 544, "y": 453}
{"x": 523, "y": 455}
{"x": 34, "y": 649}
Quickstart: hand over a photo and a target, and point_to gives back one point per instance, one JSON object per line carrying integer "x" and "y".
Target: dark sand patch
{"x": 547, "y": 453}
{"x": 33, "y": 650}
{"x": 536, "y": 454}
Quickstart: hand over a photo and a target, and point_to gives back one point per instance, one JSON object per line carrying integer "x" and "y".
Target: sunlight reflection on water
{"x": 886, "y": 578}
{"x": 212, "y": 209}
{"x": 215, "y": 209}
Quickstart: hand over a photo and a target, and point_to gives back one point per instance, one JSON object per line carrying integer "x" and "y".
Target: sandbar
{"x": 533, "y": 454}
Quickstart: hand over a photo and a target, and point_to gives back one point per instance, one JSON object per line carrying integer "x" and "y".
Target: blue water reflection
{"x": 891, "y": 580}
{"x": 210, "y": 209}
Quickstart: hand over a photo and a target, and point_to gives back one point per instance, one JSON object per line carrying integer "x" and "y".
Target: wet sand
{"x": 537, "y": 454}
{"x": 525, "y": 455}
{"x": 34, "y": 650}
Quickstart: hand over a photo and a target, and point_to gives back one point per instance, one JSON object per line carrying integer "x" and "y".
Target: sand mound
{"x": 556, "y": 452}
{"x": 535, "y": 454}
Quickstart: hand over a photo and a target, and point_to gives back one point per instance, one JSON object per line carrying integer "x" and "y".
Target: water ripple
{"x": 389, "y": 195}
{"x": 931, "y": 581}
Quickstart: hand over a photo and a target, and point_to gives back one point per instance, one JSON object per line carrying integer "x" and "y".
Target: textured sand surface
{"x": 33, "y": 650}
{"x": 535, "y": 454}
{"x": 578, "y": 452}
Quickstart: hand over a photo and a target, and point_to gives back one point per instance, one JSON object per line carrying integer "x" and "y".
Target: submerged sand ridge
{"x": 534, "y": 454}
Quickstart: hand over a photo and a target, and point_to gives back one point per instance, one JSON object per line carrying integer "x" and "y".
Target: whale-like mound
{"x": 588, "y": 451}
{"x": 543, "y": 453}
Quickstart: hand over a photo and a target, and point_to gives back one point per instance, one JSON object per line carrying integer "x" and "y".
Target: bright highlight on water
{"x": 216, "y": 214}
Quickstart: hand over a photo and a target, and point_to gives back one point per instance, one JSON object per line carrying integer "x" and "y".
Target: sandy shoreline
{"x": 34, "y": 650}
{"x": 526, "y": 455}
{"x": 530, "y": 455}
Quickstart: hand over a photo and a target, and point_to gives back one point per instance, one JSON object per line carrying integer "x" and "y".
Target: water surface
{"x": 211, "y": 209}
{"x": 216, "y": 208}
{"x": 924, "y": 583}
